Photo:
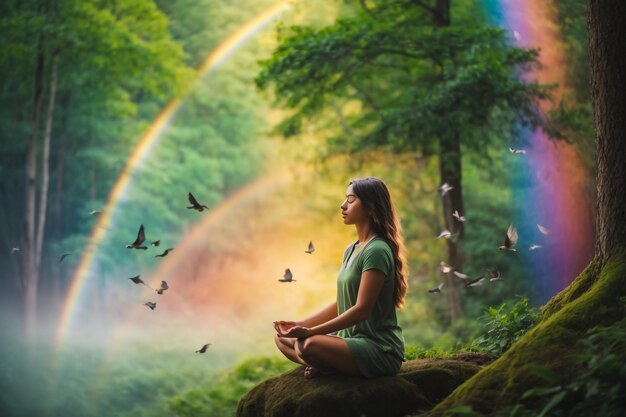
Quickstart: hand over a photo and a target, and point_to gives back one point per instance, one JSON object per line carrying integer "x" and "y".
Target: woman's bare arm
{"x": 372, "y": 282}
{"x": 326, "y": 314}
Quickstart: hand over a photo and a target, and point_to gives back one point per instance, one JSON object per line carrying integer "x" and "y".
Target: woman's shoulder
{"x": 378, "y": 244}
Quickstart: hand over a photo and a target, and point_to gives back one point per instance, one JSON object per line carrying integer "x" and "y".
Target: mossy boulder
{"x": 595, "y": 298}
{"x": 420, "y": 385}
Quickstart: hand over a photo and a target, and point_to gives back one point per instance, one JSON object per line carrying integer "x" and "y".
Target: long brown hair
{"x": 376, "y": 199}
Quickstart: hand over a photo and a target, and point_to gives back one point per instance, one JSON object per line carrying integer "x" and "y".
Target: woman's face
{"x": 352, "y": 210}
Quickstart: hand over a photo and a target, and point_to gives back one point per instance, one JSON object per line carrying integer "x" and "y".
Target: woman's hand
{"x": 282, "y": 326}
{"x": 297, "y": 331}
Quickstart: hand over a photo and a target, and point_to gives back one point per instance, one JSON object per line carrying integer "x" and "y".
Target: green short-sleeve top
{"x": 381, "y": 327}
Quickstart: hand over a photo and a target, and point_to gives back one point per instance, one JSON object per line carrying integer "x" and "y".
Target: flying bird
{"x": 155, "y": 243}
{"x": 457, "y": 216}
{"x": 461, "y": 275}
{"x": 65, "y": 255}
{"x": 445, "y": 268}
{"x": 138, "y": 281}
{"x": 494, "y": 276}
{"x": 150, "y": 304}
{"x": 475, "y": 282}
{"x": 516, "y": 151}
{"x": 141, "y": 237}
{"x": 437, "y": 288}
{"x": 203, "y": 348}
{"x": 164, "y": 253}
{"x": 445, "y": 233}
{"x": 164, "y": 287}
{"x": 534, "y": 247}
{"x": 194, "y": 204}
{"x": 517, "y": 35}
{"x": 13, "y": 250}
{"x": 311, "y": 248}
{"x": 544, "y": 230}
{"x": 288, "y": 277}
{"x": 510, "y": 239}
{"x": 445, "y": 188}
{"x": 94, "y": 212}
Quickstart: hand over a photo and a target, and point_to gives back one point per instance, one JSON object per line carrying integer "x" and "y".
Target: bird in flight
{"x": 164, "y": 253}
{"x": 138, "y": 281}
{"x": 164, "y": 287}
{"x": 494, "y": 276}
{"x": 445, "y": 233}
{"x": 141, "y": 237}
{"x": 150, "y": 304}
{"x": 445, "y": 268}
{"x": 94, "y": 212}
{"x": 445, "y": 188}
{"x": 13, "y": 250}
{"x": 475, "y": 282}
{"x": 516, "y": 151}
{"x": 510, "y": 239}
{"x": 65, "y": 255}
{"x": 155, "y": 243}
{"x": 203, "y": 348}
{"x": 194, "y": 204}
{"x": 457, "y": 216}
{"x": 437, "y": 288}
{"x": 544, "y": 230}
{"x": 288, "y": 277}
{"x": 534, "y": 247}
{"x": 311, "y": 248}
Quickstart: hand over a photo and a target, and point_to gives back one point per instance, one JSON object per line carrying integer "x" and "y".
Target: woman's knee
{"x": 309, "y": 347}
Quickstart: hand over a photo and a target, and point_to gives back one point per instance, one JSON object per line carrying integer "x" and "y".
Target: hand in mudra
{"x": 290, "y": 329}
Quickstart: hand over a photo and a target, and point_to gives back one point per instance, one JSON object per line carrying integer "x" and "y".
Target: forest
{"x": 163, "y": 163}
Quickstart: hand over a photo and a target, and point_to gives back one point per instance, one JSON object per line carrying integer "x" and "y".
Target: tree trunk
{"x": 607, "y": 56}
{"x": 45, "y": 169}
{"x": 450, "y": 172}
{"x": 29, "y": 270}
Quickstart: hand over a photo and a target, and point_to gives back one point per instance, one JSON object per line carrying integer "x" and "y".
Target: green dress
{"x": 376, "y": 343}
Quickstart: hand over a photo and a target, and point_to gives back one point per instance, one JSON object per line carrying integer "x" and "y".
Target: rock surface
{"x": 420, "y": 385}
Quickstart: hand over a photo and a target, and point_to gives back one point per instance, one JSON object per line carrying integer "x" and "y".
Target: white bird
{"x": 543, "y": 229}
{"x": 534, "y": 247}
{"x": 515, "y": 151}
{"x": 445, "y": 188}
{"x": 461, "y": 275}
{"x": 445, "y": 233}
{"x": 457, "y": 216}
{"x": 517, "y": 35}
{"x": 13, "y": 250}
{"x": 476, "y": 282}
{"x": 445, "y": 268}
{"x": 93, "y": 212}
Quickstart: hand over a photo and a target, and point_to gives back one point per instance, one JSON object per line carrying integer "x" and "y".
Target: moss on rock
{"x": 593, "y": 299}
{"x": 420, "y": 384}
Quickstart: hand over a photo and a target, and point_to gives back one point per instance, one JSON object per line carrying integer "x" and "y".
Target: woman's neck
{"x": 364, "y": 233}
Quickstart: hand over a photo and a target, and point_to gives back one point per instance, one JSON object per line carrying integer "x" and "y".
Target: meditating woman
{"x": 358, "y": 334}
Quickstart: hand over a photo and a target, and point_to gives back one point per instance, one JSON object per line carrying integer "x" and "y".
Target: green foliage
{"x": 598, "y": 389}
{"x": 414, "y": 83}
{"x": 220, "y": 398}
{"x": 504, "y": 326}
{"x": 412, "y": 352}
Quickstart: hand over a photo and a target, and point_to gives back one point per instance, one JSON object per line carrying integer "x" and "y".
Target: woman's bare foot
{"x": 310, "y": 372}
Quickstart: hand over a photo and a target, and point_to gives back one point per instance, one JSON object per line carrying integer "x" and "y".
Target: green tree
{"x": 422, "y": 84}
{"x": 120, "y": 50}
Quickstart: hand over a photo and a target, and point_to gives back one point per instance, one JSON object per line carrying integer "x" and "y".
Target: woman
{"x": 358, "y": 334}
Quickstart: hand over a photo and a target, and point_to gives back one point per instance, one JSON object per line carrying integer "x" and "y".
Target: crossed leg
{"x": 320, "y": 353}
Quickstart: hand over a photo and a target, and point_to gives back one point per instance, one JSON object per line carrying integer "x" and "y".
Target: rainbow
{"x": 141, "y": 152}
{"x": 555, "y": 180}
